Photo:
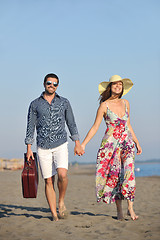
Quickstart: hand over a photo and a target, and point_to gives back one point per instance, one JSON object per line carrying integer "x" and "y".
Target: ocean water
{"x": 142, "y": 169}
{"x": 147, "y": 169}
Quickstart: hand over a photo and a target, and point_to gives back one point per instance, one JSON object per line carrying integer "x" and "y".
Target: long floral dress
{"x": 115, "y": 177}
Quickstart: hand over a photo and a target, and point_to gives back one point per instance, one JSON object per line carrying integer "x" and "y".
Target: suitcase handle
{"x": 30, "y": 165}
{"x": 27, "y": 168}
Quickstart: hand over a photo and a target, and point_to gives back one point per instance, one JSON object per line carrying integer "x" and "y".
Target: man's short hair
{"x": 51, "y": 75}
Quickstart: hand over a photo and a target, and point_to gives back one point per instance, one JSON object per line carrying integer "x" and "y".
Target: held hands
{"x": 78, "y": 150}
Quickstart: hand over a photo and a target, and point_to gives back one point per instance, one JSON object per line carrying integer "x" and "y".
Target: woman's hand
{"x": 83, "y": 147}
{"x": 78, "y": 149}
{"x": 139, "y": 149}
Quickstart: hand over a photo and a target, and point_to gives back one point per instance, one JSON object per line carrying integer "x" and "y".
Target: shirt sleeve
{"x": 31, "y": 123}
{"x": 70, "y": 121}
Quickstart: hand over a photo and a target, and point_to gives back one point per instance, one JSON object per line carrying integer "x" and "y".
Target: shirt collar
{"x": 56, "y": 95}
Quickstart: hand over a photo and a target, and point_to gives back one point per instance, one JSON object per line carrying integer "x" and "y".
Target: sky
{"x": 83, "y": 42}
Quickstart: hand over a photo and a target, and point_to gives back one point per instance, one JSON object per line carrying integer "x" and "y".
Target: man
{"x": 48, "y": 114}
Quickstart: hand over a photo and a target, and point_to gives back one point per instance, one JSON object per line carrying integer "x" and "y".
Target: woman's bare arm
{"x": 99, "y": 116}
{"x": 139, "y": 149}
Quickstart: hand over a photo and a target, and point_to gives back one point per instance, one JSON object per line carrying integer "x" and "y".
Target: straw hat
{"x": 127, "y": 84}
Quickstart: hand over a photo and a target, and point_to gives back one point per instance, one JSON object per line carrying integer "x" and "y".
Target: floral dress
{"x": 115, "y": 177}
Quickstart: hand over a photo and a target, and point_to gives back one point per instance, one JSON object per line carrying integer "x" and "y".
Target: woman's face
{"x": 116, "y": 87}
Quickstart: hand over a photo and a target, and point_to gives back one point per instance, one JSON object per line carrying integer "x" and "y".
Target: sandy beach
{"x": 31, "y": 219}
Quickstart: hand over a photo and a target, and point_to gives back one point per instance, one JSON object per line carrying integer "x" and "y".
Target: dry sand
{"x": 30, "y": 218}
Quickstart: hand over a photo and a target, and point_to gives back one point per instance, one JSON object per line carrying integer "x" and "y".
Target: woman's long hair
{"x": 108, "y": 93}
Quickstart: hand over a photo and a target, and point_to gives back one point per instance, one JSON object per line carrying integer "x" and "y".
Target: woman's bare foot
{"x": 130, "y": 211}
{"x": 132, "y": 214}
{"x": 120, "y": 216}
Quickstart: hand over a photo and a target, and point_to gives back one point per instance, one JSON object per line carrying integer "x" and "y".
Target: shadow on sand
{"x": 87, "y": 213}
{"x": 8, "y": 210}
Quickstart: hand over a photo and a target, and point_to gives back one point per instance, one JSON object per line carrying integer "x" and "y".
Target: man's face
{"x": 51, "y": 85}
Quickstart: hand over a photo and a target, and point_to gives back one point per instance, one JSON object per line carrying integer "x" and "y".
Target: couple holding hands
{"x": 115, "y": 179}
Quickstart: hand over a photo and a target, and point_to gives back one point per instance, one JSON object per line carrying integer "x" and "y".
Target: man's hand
{"x": 29, "y": 152}
{"x": 78, "y": 149}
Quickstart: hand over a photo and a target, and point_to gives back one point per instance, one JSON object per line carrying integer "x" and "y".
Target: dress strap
{"x": 125, "y": 105}
{"x": 106, "y": 110}
{"x": 106, "y": 105}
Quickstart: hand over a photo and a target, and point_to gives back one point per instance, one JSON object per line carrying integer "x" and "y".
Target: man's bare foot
{"x": 55, "y": 218}
{"x": 63, "y": 213}
{"x": 132, "y": 214}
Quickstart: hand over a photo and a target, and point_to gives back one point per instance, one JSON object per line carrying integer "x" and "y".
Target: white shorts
{"x": 51, "y": 159}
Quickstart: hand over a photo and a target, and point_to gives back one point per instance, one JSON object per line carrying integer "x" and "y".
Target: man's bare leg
{"x": 51, "y": 196}
{"x": 62, "y": 186}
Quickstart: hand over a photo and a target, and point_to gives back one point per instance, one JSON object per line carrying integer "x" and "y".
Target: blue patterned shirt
{"x": 49, "y": 121}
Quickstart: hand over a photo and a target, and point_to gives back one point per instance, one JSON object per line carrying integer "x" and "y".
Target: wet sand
{"x": 31, "y": 219}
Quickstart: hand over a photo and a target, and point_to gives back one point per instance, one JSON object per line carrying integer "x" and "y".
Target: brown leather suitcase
{"x": 30, "y": 177}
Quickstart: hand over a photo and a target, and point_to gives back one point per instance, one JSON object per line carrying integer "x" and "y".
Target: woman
{"x": 115, "y": 179}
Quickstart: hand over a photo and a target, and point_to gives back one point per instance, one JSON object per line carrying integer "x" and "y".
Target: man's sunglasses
{"x": 50, "y": 82}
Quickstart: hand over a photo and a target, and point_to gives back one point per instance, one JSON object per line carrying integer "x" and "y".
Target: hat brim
{"x": 127, "y": 85}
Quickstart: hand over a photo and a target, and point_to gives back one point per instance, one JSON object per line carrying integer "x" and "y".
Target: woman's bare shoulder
{"x": 127, "y": 105}
{"x": 103, "y": 106}
{"x": 106, "y": 102}
{"x": 126, "y": 101}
